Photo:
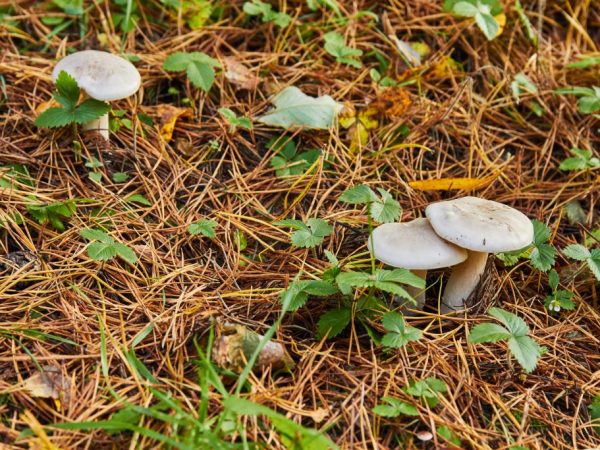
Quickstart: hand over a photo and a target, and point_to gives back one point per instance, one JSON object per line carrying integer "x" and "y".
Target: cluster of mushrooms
{"x": 457, "y": 233}
{"x": 102, "y": 76}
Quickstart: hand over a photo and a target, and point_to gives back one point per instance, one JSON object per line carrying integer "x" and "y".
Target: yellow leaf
{"x": 451, "y": 184}
{"x": 501, "y": 19}
{"x": 443, "y": 68}
{"x": 167, "y": 119}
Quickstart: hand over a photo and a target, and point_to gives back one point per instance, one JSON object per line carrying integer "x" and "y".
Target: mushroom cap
{"x": 101, "y": 75}
{"x": 414, "y": 246}
{"x": 480, "y": 225}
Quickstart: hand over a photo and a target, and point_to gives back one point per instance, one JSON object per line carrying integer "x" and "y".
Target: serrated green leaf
{"x": 465, "y": 9}
{"x": 577, "y": 252}
{"x": 388, "y": 411}
{"x": 515, "y": 325}
{"x": 90, "y": 110}
{"x": 448, "y": 435}
{"x": 541, "y": 232}
{"x": 334, "y": 322}
{"x": 177, "y": 62}
{"x": 594, "y": 409}
{"x": 314, "y": 233}
{"x": 96, "y": 235}
{"x": 360, "y": 194}
{"x": 542, "y": 257}
{"x": 589, "y": 105}
{"x": 292, "y": 223}
{"x": 488, "y": 332}
{"x": 394, "y": 408}
{"x": 575, "y": 213}
{"x": 294, "y": 109}
{"x": 100, "y": 251}
{"x": 335, "y": 46}
{"x": 67, "y": 90}
{"x": 201, "y": 75}
{"x": 593, "y": 262}
{"x": 526, "y": 351}
{"x": 125, "y": 253}
{"x": 54, "y": 118}
{"x": 385, "y": 209}
{"x": 205, "y": 227}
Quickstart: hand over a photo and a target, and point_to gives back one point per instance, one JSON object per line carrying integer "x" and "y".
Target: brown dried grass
{"x": 467, "y": 119}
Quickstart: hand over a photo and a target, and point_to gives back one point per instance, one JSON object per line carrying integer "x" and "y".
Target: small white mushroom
{"x": 414, "y": 246}
{"x": 103, "y": 76}
{"x": 482, "y": 227}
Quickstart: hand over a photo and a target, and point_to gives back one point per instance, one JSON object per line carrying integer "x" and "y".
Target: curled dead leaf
{"x": 239, "y": 75}
{"x": 49, "y": 383}
{"x": 358, "y": 124}
{"x": 167, "y": 116}
{"x": 236, "y": 345}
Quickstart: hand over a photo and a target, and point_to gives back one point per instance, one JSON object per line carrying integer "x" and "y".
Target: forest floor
{"x": 114, "y": 351}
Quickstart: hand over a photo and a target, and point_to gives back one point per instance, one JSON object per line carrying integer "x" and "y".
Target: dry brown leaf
{"x": 392, "y": 102}
{"x": 50, "y": 383}
{"x": 167, "y": 117}
{"x": 451, "y": 184}
{"x": 236, "y": 345}
{"x": 238, "y": 74}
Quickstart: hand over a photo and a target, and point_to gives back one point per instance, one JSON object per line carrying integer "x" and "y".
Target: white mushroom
{"x": 414, "y": 246}
{"x": 103, "y": 76}
{"x": 482, "y": 227}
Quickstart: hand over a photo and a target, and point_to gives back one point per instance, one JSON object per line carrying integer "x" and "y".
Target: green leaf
{"x": 333, "y": 322}
{"x": 201, "y": 75}
{"x": 541, "y": 232}
{"x": 594, "y": 409}
{"x": 313, "y": 235}
{"x": 465, "y": 9}
{"x": 298, "y": 292}
{"x": 125, "y": 253}
{"x": 593, "y": 262}
{"x": 577, "y": 252}
{"x": 90, "y": 110}
{"x": 488, "y": 332}
{"x": 335, "y": 46}
{"x": 515, "y": 325}
{"x": 198, "y": 66}
{"x": 205, "y": 227}
{"x": 400, "y": 334}
{"x": 67, "y": 90}
{"x": 120, "y": 177}
{"x": 487, "y": 24}
{"x": 589, "y": 105}
{"x": 560, "y": 300}
{"x": 360, "y": 194}
{"x": 542, "y": 257}
{"x": 394, "y": 408}
{"x": 54, "y": 118}
{"x": 292, "y": 223}
{"x": 100, "y": 251}
{"x": 531, "y": 33}
{"x": 526, "y": 351}
{"x": 386, "y": 209}
{"x": 294, "y": 109}
{"x": 581, "y": 160}
{"x": 553, "y": 280}
{"x": 138, "y": 198}
{"x": 584, "y": 62}
{"x": 96, "y": 235}
{"x": 448, "y": 435}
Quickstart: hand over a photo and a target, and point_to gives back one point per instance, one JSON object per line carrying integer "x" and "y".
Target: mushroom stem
{"x": 100, "y": 125}
{"x": 463, "y": 281}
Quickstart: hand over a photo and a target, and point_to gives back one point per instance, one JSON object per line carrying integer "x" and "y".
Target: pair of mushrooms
{"x": 102, "y": 76}
{"x": 459, "y": 233}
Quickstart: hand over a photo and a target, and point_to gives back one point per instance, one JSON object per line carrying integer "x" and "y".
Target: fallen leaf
{"x": 501, "y": 19}
{"x": 49, "y": 383}
{"x": 167, "y": 117}
{"x": 295, "y": 109}
{"x": 443, "y": 68}
{"x": 238, "y": 74}
{"x": 392, "y": 102}
{"x": 358, "y": 125}
{"x": 451, "y": 184}
{"x": 236, "y": 345}
{"x": 411, "y": 55}
{"x": 45, "y": 105}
